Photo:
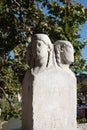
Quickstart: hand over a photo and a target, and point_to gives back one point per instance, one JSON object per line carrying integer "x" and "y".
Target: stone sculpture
{"x": 64, "y": 54}
{"x": 41, "y": 56}
{"x": 49, "y": 87}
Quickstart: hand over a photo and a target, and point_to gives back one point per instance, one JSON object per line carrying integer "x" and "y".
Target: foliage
{"x": 80, "y": 121}
{"x": 9, "y": 111}
{"x": 20, "y": 20}
{"x": 82, "y": 88}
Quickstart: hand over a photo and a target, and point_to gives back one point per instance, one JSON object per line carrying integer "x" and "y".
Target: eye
{"x": 62, "y": 48}
{"x": 69, "y": 46}
{"x": 39, "y": 44}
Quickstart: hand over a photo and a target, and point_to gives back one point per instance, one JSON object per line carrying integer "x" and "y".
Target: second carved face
{"x": 67, "y": 54}
{"x": 64, "y": 50}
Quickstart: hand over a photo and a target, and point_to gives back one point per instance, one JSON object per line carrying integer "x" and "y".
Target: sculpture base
{"x": 50, "y": 101}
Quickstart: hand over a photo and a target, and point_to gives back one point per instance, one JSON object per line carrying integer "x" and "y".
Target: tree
{"x": 19, "y": 21}
{"x": 82, "y": 88}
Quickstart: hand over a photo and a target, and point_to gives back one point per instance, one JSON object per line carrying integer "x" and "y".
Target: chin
{"x": 69, "y": 61}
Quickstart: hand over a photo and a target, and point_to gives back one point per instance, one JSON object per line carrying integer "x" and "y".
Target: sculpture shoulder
{"x": 72, "y": 78}
{"x": 70, "y": 73}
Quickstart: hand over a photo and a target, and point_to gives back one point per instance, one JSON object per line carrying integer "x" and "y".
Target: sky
{"x": 83, "y": 32}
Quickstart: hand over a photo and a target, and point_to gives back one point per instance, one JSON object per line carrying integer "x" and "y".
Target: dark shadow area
{"x": 27, "y": 99}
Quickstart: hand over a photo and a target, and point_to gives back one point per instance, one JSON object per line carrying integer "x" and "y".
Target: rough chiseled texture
{"x": 49, "y": 87}
{"x": 54, "y": 101}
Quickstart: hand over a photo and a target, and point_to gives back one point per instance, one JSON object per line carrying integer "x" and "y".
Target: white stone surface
{"x": 49, "y": 87}
{"x": 54, "y": 101}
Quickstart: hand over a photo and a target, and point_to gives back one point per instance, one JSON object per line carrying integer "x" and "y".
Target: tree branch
{"x": 6, "y": 96}
{"x": 16, "y": 3}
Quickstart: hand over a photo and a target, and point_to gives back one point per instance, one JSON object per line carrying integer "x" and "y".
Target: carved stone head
{"x": 64, "y": 52}
{"x": 41, "y": 45}
{"x": 41, "y": 50}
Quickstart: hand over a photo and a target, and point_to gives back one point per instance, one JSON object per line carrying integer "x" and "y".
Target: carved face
{"x": 67, "y": 53}
{"x": 40, "y": 49}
